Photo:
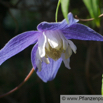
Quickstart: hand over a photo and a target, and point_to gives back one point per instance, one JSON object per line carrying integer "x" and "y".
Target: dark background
{"x": 17, "y": 16}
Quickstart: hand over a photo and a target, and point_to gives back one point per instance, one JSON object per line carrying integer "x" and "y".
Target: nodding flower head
{"x": 53, "y": 45}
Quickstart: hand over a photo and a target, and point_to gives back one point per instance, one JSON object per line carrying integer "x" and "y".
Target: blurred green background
{"x": 17, "y": 16}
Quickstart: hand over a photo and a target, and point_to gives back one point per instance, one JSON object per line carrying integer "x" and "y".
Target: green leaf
{"x": 94, "y": 10}
{"x": 89, "y": 4}
{"x": 56, "y": 14}
{"x": 64, "y": 7}
{"x": 102, "y": 86}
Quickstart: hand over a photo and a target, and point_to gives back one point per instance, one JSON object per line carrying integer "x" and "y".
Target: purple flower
{"x": 52, "y": 45}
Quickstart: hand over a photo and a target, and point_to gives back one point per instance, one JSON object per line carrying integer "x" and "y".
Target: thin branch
{"x": 87, "y": 19}
{"x": 84, "y": 19}
{"x": 16, "y": 88}
{"x": 100, "y": 15}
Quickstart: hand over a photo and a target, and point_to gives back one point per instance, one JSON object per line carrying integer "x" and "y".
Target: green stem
{"x": 56, "y": 14}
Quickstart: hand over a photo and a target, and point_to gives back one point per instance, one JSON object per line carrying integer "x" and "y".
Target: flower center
{"x": 55, "y": 45}
{"x": 54, "y": 53}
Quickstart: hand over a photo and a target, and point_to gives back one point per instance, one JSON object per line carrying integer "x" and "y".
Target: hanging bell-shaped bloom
{"x": 53, "y": 45}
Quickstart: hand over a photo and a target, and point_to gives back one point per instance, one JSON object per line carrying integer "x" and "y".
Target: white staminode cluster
{"x": 54, "y": 44}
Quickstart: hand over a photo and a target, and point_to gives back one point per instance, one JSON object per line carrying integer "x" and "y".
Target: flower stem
{"x": 56, "y": 13}
{"x": 16, "y": 88}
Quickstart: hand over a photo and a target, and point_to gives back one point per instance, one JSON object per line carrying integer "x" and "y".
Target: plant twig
{"x": 84, "y": 19}
{"x": 100, "y": 15}
{"x": 87, "y": 19}
{"x": 16, "y": 88}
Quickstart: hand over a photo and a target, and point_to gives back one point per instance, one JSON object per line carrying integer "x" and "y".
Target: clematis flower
{"x": 52, "y": 45}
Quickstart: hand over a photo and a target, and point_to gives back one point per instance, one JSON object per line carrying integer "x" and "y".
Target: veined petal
{"x": 71, "y": 19}
{"x": 44, "y": 26}
{"x": 38, "y": 64}
{"x": 38, "y": 60}
{"x": 41, "y": 44}
{"x": 50, "y": 70}
{"x": 47, "y": 71}
{"x": 81, "y": 32}
{"x": 17, "y": 44}
{"x": 34, "y": 56}
{"x": 66, "y": 61}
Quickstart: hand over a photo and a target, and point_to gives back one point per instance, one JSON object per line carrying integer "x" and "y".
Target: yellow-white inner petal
{"x": 41, "y": 45}
{"x": 53, "y": 39}
{"x": 72, "y": 45}
{"x": 46, "y": 60}
{"x": 68, "y": 52}
{"x": 65, "y": 42}
{"x": 54, "y": 44}
{"x": 66, "y": 61}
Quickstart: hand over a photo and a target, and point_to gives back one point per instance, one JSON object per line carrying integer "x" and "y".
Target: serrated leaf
{"x": 64, "y": 8}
